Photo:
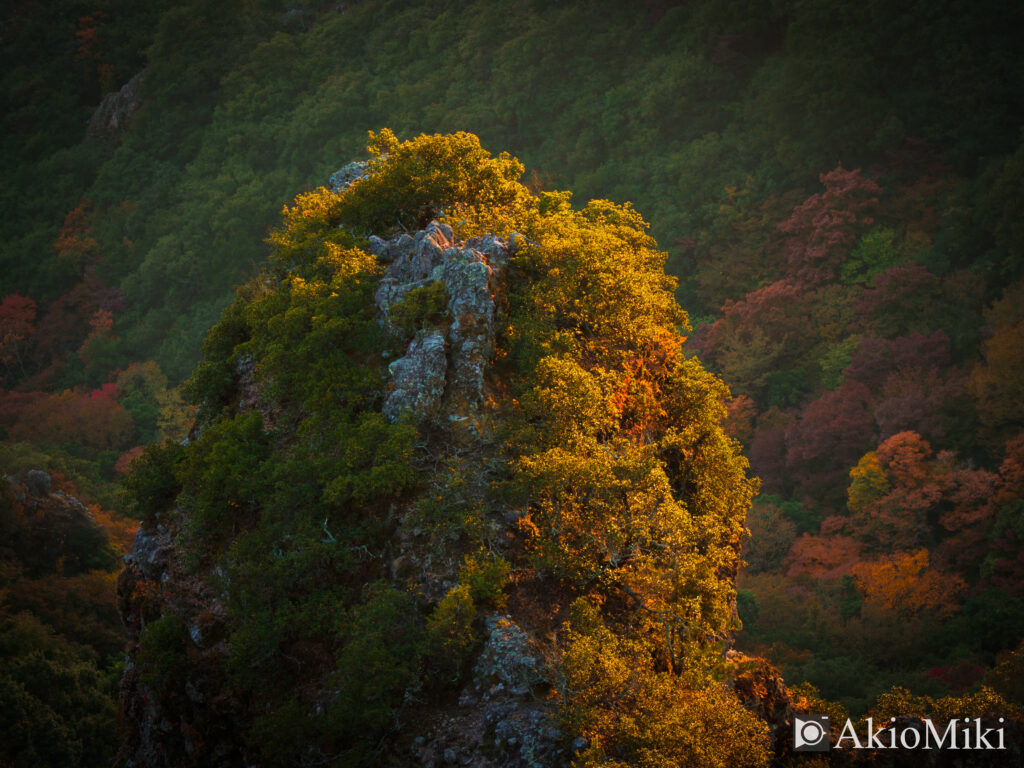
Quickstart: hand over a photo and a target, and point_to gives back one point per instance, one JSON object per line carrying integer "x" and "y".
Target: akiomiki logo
{"x": 811, "y": 734}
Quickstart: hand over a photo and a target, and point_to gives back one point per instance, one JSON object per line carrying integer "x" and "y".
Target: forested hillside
{"x": 837, "y": 187}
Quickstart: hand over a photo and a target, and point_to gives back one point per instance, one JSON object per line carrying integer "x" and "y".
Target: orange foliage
{"x": 739, "y": 420}
{"x": 898, "y": 519}
{"x": 88, "y": 39}
{"x": 75, "y": 244}
{"x": 899, "y": 492}
{"x": 903, "y": 586}
{"x": 102, "y": 321}
{"x": 125, "y": 460}
{"x": 120, "y": 530}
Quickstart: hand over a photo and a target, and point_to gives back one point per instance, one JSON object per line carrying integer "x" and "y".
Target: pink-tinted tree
{"x": 822, "y": 229}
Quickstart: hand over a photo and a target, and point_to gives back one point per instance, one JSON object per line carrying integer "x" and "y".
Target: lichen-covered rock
{"x": 525, "y": 735}
{"x": 508, "y": 663}
{"x": 469, "y": 279}
{"x": 503, "y": 719}
{"x": 469, "y": 272}
{"x": 418, "y": 378}
{"x": 346, "y": 176}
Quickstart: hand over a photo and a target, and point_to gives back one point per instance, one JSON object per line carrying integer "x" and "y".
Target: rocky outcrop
{"x": 347, "y": 176}
{"x": 174, "y": 725}
{"x": 762, "y": 690}
{"x": 437, "y": 380}
{"x": 111, "y": 118}
{"x": 418, "y": 378}
{"x": 38, "y": 482}
{"x": 55, "y": 527}
{"x": 423, "y": 384}
{"x": 502, "y": 717}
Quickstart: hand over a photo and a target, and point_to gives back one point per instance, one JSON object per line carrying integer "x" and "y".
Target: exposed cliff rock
{"x": 168, "y": 728}
{"x": 502, "y": 718}
{"x": 345, "y": 177}
{"x": 762, "y": 690}
{"x": 111, "y": 118}
{"x": 442, "y": 372}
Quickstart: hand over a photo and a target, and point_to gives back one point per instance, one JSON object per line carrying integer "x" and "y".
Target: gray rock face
{"x": 506, "y": 672}
{"x": 151, "y": 552}
{"x": 508, "y": 662}
{"x": 111, "y": 118}
{"x": 38, "y": 482}
{"x": 346, "y": 176}
{"x": 418, "y": 378}
{"x": 470, "y": 272}
{"x": 468, "y": 277}
{"x": 501, "y": 722}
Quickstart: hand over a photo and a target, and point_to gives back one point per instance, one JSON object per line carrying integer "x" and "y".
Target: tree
{"x": 833, "y": 431}
{"x": 56, "y": 700}
{"x": 823, "y": 227}
{"x": 630, "y": 713}
{"x": 17, "y": 315}
{"x": 904, "y": 586}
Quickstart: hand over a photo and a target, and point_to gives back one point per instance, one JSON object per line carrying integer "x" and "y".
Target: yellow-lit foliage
{"x": 868, "y": 482}
{"x": 632, "y": 714}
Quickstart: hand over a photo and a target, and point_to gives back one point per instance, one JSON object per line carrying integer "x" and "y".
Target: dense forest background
{"x": 838, "y": 186}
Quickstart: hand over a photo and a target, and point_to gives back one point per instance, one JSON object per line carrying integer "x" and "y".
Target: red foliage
{"x": 823, "y": 557}
{"x": 960, "y": 676}
{"x": 66, "y": 323}
{"x": 916, "y": 387}
{"x": 17, "y": 315}
{"x": 94, "y": 420}
{"x": 770, "y": 308}
{"x": 768, "y": 450}
{"x": 833, "y": 432}
{"x": 14, "y": 404}
{"x": 1011, "y": 471}
{"x": 823, "y": 228}
{"x": 970, "y": 495}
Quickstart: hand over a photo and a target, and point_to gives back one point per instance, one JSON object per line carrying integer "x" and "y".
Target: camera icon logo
{"x": 810, "y": 733}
